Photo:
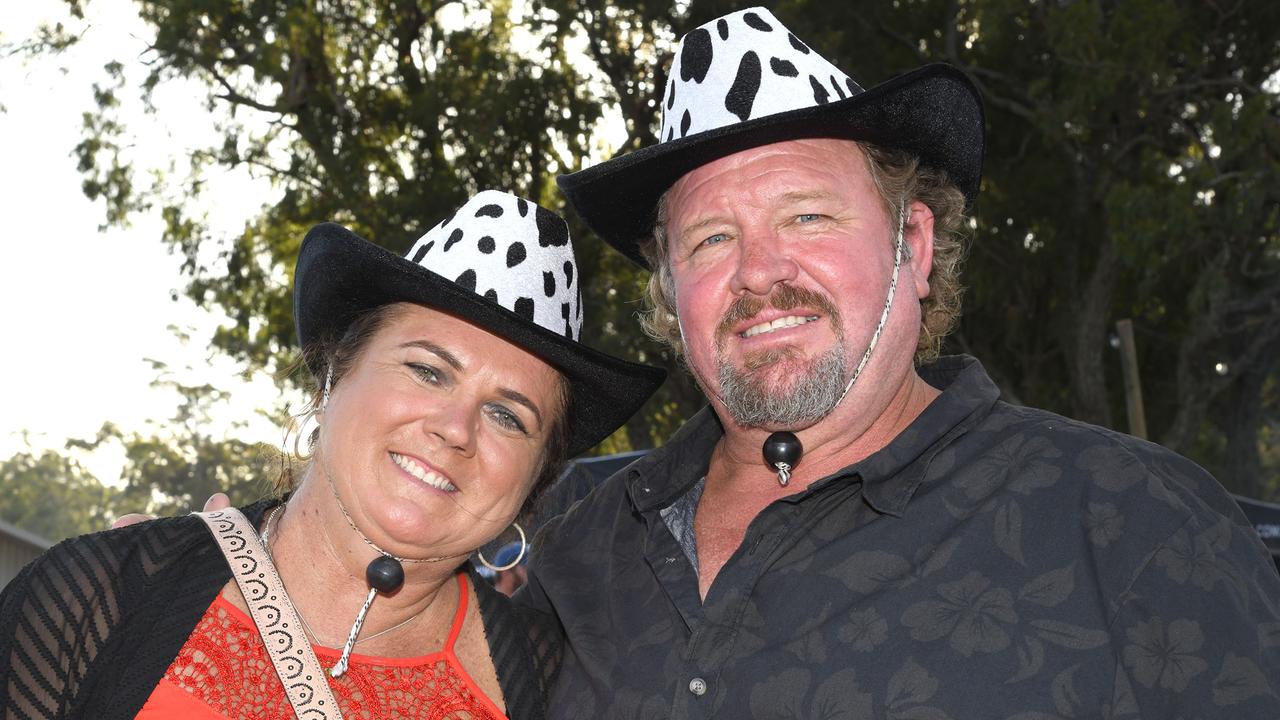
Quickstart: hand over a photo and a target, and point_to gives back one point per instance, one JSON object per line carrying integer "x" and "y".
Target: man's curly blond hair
{"x": 900, "y": 179}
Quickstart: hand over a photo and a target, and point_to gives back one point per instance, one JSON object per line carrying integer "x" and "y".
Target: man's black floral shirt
{"x": 993, "y": 561}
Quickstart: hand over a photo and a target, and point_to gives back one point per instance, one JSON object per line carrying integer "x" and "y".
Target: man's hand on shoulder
{"x": 216, "y": 501}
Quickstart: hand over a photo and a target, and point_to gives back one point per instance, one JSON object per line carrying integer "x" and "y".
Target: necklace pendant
{"x": 385, "y": 574}
{"x": 784, "y": 473}
{"x": 782, "y": 450}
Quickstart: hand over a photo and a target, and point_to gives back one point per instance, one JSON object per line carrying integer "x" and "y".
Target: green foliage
{"x": 53, "y": 496}
{"x": 172, "y": 470}
{"x": 1131, "y": 165}
{"x": 108, "y": 175}
{"x": 383, "y": 116}
{"x": 1136, "y": 142}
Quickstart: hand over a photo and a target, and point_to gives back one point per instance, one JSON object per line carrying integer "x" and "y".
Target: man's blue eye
{"x": 807, "y": 217}
{"x": 714, "y": 239}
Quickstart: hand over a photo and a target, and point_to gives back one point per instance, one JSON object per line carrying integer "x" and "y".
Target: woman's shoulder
{"x": 87, "y": 570}
{"x": 80, "y": 570}
{"x": 62, "y": 617}
{"x": 62, "y": 614}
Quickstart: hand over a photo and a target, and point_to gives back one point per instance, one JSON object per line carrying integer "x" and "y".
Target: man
{"x": 844, "y": 533}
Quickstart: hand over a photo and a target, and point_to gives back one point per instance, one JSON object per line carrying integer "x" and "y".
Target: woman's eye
{"x": 426, "y": 373}
{"x": 507, "y": 419}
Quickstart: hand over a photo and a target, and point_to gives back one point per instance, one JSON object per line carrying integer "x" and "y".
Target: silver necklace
{"x": 265, "y": 538}
{"x": 342, "y": 506}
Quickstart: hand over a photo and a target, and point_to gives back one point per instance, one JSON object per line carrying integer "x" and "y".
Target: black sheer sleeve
{"x": 89, "y": 627}
{"x": 526, "y": 647}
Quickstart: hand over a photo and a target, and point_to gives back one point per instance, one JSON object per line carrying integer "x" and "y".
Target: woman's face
{"x": 434, "y": 436}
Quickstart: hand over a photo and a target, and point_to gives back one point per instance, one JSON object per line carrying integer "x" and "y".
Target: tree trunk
{"x": 1089, "y": 340}
{"x": 1194, "y": 387}
{"x": 1242, "y": 466}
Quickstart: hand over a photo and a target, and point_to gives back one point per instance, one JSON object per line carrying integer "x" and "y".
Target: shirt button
{"x": 698, "y": 686}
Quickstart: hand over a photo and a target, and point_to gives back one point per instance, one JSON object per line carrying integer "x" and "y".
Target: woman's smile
{"x": 429, "y": 477}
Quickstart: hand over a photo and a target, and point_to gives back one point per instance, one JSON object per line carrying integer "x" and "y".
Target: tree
{"x": 167, "y": 471}
{"x": 1130, "y": 171}
{"x": 380, "y": 115}
{"x": 52, "y": 495}
{"x": 1153, "y": 198}
{"x": 179, "y": 463}
{"x": 1132, "y": 155}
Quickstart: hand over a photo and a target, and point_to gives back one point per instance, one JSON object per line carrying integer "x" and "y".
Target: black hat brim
{"x": 340, "y": 275}
{"x": 933, "y": 112}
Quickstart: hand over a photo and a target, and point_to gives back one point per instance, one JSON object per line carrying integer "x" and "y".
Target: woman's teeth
{"x": 423, "y": 474}
{"x": 782, "y": 322}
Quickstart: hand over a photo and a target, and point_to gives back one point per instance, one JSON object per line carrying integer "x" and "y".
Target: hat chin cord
{"x": 384, "y": 574}
{"x": 782, "y": 449}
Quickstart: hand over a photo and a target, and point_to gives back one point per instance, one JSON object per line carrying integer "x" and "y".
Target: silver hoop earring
{"x": 524, "y": 547}
{"x": 328, "y": 385}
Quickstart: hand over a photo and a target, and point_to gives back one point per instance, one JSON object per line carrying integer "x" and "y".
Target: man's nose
{"x": 763, "y": 261}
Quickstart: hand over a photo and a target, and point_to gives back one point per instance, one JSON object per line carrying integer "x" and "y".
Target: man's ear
{"x": 918, "y": 236}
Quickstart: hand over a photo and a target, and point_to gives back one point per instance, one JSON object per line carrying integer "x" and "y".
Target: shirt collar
{"x": 890, "y": 476}
{"x": 657, "y": 479}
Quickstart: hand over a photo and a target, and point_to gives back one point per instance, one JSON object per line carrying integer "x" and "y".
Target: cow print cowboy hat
{"x": 499, "y": 262}
{"x": 743, "y": 81}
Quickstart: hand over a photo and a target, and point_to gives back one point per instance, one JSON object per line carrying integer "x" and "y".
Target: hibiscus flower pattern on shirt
{"x": 992, "y": 561}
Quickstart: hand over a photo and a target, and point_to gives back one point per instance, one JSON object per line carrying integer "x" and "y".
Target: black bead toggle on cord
{"x": 782, "y": 450}
{"x": 385, "y": 574}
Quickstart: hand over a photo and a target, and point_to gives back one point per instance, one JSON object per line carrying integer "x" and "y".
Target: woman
{"x": 449, "y": 397}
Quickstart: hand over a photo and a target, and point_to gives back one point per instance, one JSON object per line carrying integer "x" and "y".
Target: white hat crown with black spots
{"x": 511, "y": 252}
{"x": 743, "y": 66}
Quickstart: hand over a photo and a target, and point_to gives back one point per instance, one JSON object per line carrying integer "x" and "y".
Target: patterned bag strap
{"x": 305, "y": 682}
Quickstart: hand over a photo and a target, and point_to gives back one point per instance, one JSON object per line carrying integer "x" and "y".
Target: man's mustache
{"x": 783, "y": 297}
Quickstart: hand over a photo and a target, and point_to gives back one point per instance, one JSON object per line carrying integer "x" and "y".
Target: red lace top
{"x": 223, "y": 671}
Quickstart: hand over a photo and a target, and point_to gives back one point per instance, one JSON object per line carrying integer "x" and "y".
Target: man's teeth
{"x": 423, "y": 474}
{"x": 782, "y": 322}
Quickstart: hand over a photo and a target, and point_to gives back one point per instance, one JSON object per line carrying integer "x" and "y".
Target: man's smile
{"x": 777, "y": 324}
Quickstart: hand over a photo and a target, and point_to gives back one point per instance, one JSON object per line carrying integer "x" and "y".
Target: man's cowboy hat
{"x": 743, "y": 81}
{"x": 499, "y": 262}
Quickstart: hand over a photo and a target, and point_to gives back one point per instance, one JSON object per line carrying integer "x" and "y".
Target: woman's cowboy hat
{"x": 499, "y": 262}
{"x": 743, "y": 81}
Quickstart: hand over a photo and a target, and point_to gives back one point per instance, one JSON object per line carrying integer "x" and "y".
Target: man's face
{"x": 781, "y": 258}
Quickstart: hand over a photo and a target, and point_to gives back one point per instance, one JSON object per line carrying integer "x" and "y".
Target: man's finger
{"x": 217, "y": 501}
{"x": 131, "y": 519}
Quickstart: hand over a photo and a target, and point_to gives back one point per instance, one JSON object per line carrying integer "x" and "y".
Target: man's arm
{"x": 531, "y": 594}
{"x": 216, "y": 501}
{"x": 1197, "y": 634}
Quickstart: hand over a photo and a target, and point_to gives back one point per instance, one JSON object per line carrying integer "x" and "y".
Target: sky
{"x": 82, "y": 309}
